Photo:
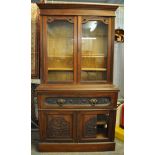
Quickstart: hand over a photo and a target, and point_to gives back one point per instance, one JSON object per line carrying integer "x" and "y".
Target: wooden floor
{"x": 119, "y": 149}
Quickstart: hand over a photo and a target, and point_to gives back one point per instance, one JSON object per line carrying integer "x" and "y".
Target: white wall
{"x": 118, "y": 78}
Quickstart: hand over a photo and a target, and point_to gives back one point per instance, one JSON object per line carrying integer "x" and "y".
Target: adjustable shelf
{"x": 60, "y": 69}
{"x": 94, "y": 69}
{"x": 59, "y": 56}
{"x": 92, "y": 56}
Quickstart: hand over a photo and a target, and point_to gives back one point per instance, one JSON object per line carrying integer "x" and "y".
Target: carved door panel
{"x": 58, "y": 126}
{"x": 96, "y": 126}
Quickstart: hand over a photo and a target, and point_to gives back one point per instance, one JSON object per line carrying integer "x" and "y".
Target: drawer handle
{"x": 93, "y": 101}
{"x": 60, "y": 102}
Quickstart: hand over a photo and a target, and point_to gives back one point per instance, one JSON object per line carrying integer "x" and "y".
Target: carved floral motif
{"x": 69, "y": 19}
{"x": 103, "y": 19}
{"x": 58, "y": 127}
{"x": 90, "y": 127}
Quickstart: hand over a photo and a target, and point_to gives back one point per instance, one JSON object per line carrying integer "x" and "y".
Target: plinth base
{"x": 76, "y": 147}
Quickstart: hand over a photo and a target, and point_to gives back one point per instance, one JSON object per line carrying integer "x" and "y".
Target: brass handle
{"x": 60, "y": 102}
{"x": 93, "y": 101}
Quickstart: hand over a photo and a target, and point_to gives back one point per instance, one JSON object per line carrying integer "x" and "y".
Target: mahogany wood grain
{"x": 73, "y": 147}
{"x": 41, "y": 50}
{"x": 112, "y": 123}
{"x": 112, "y": 46}
{"x": 77, "y": 87}
{"x": 76, "y": 6}
{"x": 79, "y": 48}
{"x": 79, "y": 12}
{"x": 109, "y": 67}
{"x": 75, "y": 42}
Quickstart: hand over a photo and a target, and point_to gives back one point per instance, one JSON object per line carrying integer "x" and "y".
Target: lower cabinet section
{"x": 75, "y": 126}
{"x": 77, "y": 117}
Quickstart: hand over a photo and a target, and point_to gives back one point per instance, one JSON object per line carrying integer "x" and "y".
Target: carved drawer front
{"x": 96, "y": 126}
{"x": 82, "y": 102}
{"x": 59, "y": 126}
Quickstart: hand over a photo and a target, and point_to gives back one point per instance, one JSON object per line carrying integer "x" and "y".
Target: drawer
{"x": 107, "y": 100}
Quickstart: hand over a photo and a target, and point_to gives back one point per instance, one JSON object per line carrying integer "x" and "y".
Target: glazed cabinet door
{"x": 96, "y": 126}
{"x": 59, "y": 49}
{"x": 95, "y": 49}
{"x": 57, "y": 126}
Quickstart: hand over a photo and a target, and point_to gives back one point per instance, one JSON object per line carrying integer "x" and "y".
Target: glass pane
{"x": 94, "y": 51}
{"x": 60, "y": 51}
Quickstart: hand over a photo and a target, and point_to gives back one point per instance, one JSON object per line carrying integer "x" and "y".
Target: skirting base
{"x": 76, "y": 147}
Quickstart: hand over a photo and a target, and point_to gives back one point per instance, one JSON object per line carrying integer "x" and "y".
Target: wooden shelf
{"x": 58, "y": 56}
{"x": 94, "y": 69}
{"x": 95, "y": 36}
{"x": 93, "y": 56}
{"x": 60, "y": 37}
{"x": 63, "y": 56}
{"x": 101, "y": 123}
{"x": 100, "y": 136}
{"x": 83, "y": 69}
{"x": 60, "y": 69}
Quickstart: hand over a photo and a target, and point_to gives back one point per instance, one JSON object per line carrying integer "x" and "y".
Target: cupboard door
{"x": 61, "y": 49}
{"x": 96, "y": 126}
{"x": 58, "y": 126}
{"x": 95, "y": 47}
